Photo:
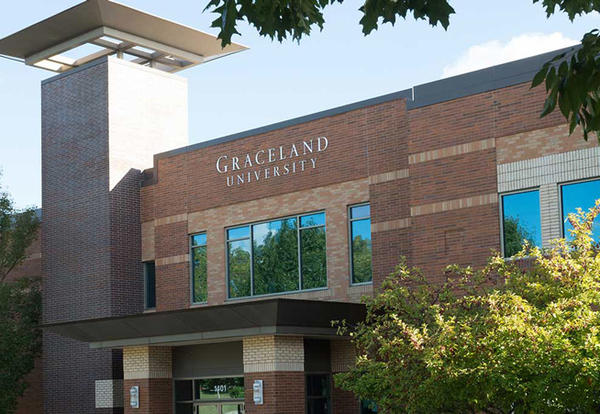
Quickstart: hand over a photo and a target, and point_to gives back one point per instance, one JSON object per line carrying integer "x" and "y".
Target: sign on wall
{"x": 257, "y": 392}
{"x": 134, "y": 397}
{"x": 269, "y": 163}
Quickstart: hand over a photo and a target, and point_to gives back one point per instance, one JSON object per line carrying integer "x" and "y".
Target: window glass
{"x": 312, "y": 220}
{"x": 317, "y": 394}
{"x": 184, "y": 408}
{"x": 199, "y": 281}
{"x": 367, "y": 407}
{"x": 183, "y": 390}
{"x": 360, "y": 211}
{"x": 149, "y": 285}
{"x": 360, "y": 235}
{"x": 238, "y": 233}
{"x": 521, "y": 221}
{"x": 275, "y": 256}
{"x": 314, "y": 259}
{"x": 579, "y": 195}
{"x": 199, "y": 239}
{"x": 213, "y": 389}
{"x": 238, "y": 259}
{"x": 199, "y": 270}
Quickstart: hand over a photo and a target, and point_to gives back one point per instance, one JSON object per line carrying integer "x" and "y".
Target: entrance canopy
{"x": 96, "y": 28}
{"x": 214, "y": 323}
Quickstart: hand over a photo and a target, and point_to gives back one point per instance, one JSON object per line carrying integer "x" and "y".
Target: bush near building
{"x": 519, "y": 336}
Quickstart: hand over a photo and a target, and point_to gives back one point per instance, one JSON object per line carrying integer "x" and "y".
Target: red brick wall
{"x": 156, "y": 396}
{"x": 343, "y": 402}
{"x": 283, "y": 393}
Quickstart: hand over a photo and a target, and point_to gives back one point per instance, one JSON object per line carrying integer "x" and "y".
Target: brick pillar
{"x": 101, "y": 125}
{"x": 150, "y": 368}
{"x": 279, "y": 362}
{"x": 343, "y": 355}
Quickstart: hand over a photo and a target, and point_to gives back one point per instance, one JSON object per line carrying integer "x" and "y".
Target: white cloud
{"x": 495, "y": 52}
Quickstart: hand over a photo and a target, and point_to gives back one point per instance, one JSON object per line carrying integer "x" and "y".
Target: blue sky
{"x": 273, "y": 82}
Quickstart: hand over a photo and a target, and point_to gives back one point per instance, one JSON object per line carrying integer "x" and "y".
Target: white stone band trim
{"x": 551, "y": 169}
{"x": 273, "y": 366}
{"x": 109, "y": 393}
{"x": 546, "y": 173}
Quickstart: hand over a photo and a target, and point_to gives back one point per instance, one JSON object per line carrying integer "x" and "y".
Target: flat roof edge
{"x": 405, "y": 94}
{"x": 443, "y": 90}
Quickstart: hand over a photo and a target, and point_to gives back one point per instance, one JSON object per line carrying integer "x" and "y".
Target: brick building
{"x": 203, "y": 278}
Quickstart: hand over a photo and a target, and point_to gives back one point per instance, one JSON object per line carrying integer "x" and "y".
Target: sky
{"x": 273, "y": 81}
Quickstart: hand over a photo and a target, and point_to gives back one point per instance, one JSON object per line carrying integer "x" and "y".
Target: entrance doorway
{"x": 209, "y": 395}
{"x": 220, "y": 408}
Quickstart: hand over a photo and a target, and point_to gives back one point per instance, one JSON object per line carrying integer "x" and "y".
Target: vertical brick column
{"x": 343, "y": 355}
{"x": 279, "y": 362}
{"x": 150, "y": 368}
{"x": 101, "y": 125}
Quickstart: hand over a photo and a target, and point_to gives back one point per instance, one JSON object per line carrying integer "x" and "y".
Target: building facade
{"x": 203, "y": 279}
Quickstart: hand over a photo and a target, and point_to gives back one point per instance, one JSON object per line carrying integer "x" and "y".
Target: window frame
{"x": 561, "y": 210}
{"x": 249, "y": 238}
{"x": 501, "y": 206}
{"x": 350, "y": 250}
{"x": 191, "y": 262}
{"x": 145, "y": 272}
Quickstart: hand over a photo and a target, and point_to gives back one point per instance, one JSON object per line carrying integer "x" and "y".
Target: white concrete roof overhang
{"x": 114, "y": 29}
{"x": 207, "y": 324}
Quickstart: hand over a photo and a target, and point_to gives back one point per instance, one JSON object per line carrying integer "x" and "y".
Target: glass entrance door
{"x": 220, "y": 408}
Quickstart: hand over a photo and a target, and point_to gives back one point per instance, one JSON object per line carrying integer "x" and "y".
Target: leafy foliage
{"x": 280, "y": 19}
{"x": 20, "y": 338}
{"x": 18, "y": 229}
{"x": 572, "y": 81}
{"x": 518, "y": 336}
{"x": 20, "y": 304}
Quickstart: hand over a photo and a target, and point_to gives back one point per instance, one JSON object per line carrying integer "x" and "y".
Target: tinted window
{"x": 238, "y": 259}
{"x": 149, "y": 285}
{"x": 199, "y": 268}
{"x": 521, "y": 221}
{"x": 360, "y": 239}
{"x": 275, "y": 256}
{"x": 579, "y": 195}
{"x": 284, "y": 255}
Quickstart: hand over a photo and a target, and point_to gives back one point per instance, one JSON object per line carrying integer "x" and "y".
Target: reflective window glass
{"x": 275, "y": 256}
{"x": 199, "y": 239}
{"x": 149, "y": 285}
{"x": 581, "y": 195}
{"x": 360, "y": 244}
{"x": 313, "y": 257}
{"x": 238, "y": 233}
{"x": 238, "y": 259}
{"x": 360, "y": 211}
{"x": 521, "y": 221}
{"x": 312, "y": 220}
{"x": 199, "y": 274}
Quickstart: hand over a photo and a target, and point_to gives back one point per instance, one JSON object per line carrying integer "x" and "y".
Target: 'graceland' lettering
{"x": 286, "y": 159}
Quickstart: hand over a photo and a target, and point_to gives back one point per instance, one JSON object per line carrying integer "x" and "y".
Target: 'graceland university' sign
{"x": 269, "y": 163}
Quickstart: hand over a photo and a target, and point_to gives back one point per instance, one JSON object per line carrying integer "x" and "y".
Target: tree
{"x": 514, "y": 236}
{"x": 20, "y": 304}
{"x": 518, "y": 336}
{"x": 572, "y": 78}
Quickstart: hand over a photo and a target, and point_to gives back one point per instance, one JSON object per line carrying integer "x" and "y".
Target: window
{"x": 277, "y": 256}
{"x": 210, "y": 395}
{"x": 520, "y": 221}
{"x": 581, "y": 195}
{"x": 149, "y": 285}
{"x": 317, "y": 394}
{"x": 199, "y": 281}
{"x": 360, "y": 243}
{"x": 367, "y": 407}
